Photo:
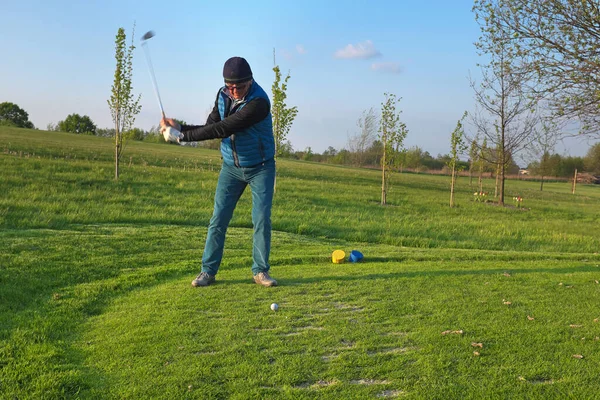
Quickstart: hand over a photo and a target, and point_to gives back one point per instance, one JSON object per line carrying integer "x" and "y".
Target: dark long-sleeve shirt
{"x": 253, "y": 112}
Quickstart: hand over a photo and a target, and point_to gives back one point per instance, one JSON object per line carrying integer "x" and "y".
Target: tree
{"x": 359, "y": 143}
{"x": 457, "y": 146}
{"x": 561, "y": 40}
{"x": 413, "y": 157}
{"x": 569, "y": 164}
{"x": 122, "y": 103}
{"x": 473, "y": 158}
{"x": 283, "y": 117}
{"x": 286, "y": 149}
{"x": 542, "y": 146}
{"x": 342, "y": 157}
{"x": 373, "y": 153}
{"x": 330, "y": 152}
{"x": 392, "y": 134}
{"x": 483, "y": 151}
{"x": 592, "y": 159}
{"x": 75, "y": 123}
{"x": 13, "y": 115}
{"x": 308, "y": 154}
{"x": 506, "y": 114}
{"x": 135, "y": 134}
{"x": 106, "y": 132}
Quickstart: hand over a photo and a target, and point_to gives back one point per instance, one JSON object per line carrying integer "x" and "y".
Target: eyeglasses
{"x": 238, "y": 87}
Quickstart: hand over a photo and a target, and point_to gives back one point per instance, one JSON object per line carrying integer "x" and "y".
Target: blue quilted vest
{"x": 251, "y": 146}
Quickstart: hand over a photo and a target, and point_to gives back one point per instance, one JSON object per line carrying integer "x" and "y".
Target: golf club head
{"x": 147, "y": 35}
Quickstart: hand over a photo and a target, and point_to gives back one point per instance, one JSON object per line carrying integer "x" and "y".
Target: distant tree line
{"x": 367, "y": 155}
{"x": 564, "y": 166}
{"x": 416, "y": 159}
{"x": 74, "y": 123}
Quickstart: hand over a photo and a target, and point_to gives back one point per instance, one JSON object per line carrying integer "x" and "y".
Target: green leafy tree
{"x": 105, "y": 132}
{"x": 342, "y": 157}
{"x": 457, "y": 147}
{"x": 372, "y": 154}
{"x": 308, "y": 154}
{"x": 553, "y": 163}
{"x": 569, "y": 164}
{"x": 560, "y": 40}
{"x": 413, "y": 157}
{"x": 75, "y": 123}
{"x": 123, "y": 104}
{"x": 13, "y": 115}
{"x": 135, "y": 134}
{"x": 330, "y": 152}
{"x": 283, "y": 116}
{"x": 392, "y": 133}
{"x": 592, "y": 159}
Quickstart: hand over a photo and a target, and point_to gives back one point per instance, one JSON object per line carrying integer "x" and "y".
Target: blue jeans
{"x": 231, "y": 185}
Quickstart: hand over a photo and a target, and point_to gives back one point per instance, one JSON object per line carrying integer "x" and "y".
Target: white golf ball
{"x": 274, "y": 307}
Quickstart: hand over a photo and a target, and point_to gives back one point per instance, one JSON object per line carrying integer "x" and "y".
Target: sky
{"x": 58, "y": 59}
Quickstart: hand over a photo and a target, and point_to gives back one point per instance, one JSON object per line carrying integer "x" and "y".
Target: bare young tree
{"x": 506, "y": 116}
{"x": 483, "y": 150}
{"x": 473, "y": 158}
{"x": 542, "y": 147}
{"x": 359, "y": 143}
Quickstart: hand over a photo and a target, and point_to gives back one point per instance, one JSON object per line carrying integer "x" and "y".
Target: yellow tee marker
{"x": 338, "y": 256}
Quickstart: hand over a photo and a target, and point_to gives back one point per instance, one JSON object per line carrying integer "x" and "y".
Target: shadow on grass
{"x": 420, "y": 274}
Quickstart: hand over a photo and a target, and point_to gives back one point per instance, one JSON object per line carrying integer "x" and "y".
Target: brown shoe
{"x": 204, "y": 279}
{"x": 263, "y": 278}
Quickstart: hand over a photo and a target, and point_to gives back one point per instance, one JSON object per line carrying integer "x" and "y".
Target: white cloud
{"x": 300, "y": 49}
{"x": 391, "y": 67}
{"x": 361, "y": 50}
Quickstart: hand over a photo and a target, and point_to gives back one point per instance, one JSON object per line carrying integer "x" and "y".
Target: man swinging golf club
{"x": 241, "y": 117}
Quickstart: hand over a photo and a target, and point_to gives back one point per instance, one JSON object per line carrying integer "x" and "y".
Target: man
{"x": 241, "y": 117}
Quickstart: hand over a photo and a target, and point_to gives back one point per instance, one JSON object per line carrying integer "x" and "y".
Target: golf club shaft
{"x": 155, "y": 85}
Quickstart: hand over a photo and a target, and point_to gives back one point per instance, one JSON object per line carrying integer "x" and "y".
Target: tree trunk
{"x": 480, "y": 182}
{"x": 575, "y": 181}
{"x": 502, "y": 179}
{"x": 542, "y": 184}
{"x": 452, "y": 187}
{"x": 497, "y": 176}
{"x": 117, "y": 150}
{"x": 383, "y": 174}
{"x": 383, "y": 182}
{"x": 275, "y": 179}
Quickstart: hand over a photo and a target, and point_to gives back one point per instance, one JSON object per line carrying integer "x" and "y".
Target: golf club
{"x": 149, "y": 35}
{"x": 170, "y": 133}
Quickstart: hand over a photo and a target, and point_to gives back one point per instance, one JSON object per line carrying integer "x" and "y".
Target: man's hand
{"x": 171, "y": 134}
{"x": 170, "y": 130}
{"x": 166, "y": 122}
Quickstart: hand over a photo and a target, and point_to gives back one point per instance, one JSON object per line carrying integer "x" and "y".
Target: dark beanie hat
{"x": 236, "y": 70}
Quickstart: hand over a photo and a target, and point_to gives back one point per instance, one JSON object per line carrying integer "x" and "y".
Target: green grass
{"x": 96, "y": 302}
